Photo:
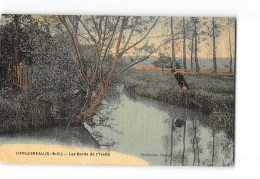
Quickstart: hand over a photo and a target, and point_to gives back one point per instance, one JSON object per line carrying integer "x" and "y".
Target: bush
{"x": 25, "y": 111}
{"x": 30, "y": 109}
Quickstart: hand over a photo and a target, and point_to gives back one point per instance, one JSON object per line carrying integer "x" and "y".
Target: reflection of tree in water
{"x": 221, "y": 149}
{"x": 104, "y": 141}
{"x": 173, "y": 155}
{"x": 226, "y": 148}
{"x": 179, "y": 156}
{"x": 218, "y": 150}
{"x": 198, "y": 145}
{"x": 113, "y": 94}
{"x": 194, "y": 133}
{"x": 174, "y": 137}
{"x": 103, "y": 120}
{"x": 190, "y": 151}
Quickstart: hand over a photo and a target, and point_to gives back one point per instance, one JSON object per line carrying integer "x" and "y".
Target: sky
{"x": 162, "y": 28}
{"x": 205, "y": 46}
{"x": 162, "y": 32}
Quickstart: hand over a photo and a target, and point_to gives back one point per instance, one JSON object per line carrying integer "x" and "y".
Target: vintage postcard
{"x": 118, "y": 90}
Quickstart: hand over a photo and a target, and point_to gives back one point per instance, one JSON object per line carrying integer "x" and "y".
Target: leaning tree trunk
{"x": 230, "y": 48}
{"x": 214, "y": 46}
{"x": 90, "y": 112}
{"x": 196, "y": 47}
{"x": 184, "y": 45}
{"x": 173, "y": 48}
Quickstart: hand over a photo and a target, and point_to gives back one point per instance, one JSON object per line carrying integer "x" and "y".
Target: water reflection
{"x": 147, "y": 129}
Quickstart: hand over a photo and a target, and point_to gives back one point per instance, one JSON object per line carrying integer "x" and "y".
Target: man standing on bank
{"x": 180, "y": 79}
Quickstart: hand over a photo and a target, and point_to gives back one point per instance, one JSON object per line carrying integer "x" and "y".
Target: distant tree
{"x": 231, "y": 23}
{"x": 191, "y": 47}
{"x": 213, "y": 31}
{"x": 214, "y": 45}
{"x": 184, "y": 42}
{"x": 163, "y": 61}
{"x": 190, "y": 35}
{"x": 173, "y": 46}
{"x": 199, "y": 35}
{"x": 196, "y": 21}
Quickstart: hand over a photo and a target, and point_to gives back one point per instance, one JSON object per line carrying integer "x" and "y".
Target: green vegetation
{"x": 213, "y": 95}
{"x": 53, "y": 77}
{"x": 22, "y": 110}
{"x": 166, "y": 62}
{"x": 26, "y": 110}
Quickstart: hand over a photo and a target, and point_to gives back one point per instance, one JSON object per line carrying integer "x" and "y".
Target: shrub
{"x": 26, "y": 110}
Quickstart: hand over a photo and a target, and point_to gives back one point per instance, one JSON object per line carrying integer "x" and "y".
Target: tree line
{"x": 197, "y": 30}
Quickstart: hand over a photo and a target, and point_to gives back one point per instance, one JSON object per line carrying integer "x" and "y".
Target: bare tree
{"x": 230, "y": 46}
{"x": 214, "y": 45}
{"x": 189, "y": 34}
{"x": 195, "y": 21}
{"x": 213, "y": 31}
{"x": 184, "y": 43}
{"x": 173, "y": 47}
{"x": 107, "y": 33}
{"x": 191, "y": 51}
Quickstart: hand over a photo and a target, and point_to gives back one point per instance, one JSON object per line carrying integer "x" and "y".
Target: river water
{"x": 145, "y": 128}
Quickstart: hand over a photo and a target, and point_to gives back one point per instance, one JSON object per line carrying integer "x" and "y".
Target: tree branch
{"x": 126, "y": 68}
{"x": 111, "y": 38}
{"x": 76, "y": 49}
{"x": 136, "y": 43}
{"x": 131, "y": 34}
{"x": 91, "y": 36}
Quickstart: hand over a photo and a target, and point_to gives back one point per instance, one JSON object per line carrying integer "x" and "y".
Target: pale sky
{"x": 204, "y": 47}
{"x": 222, "y": 41}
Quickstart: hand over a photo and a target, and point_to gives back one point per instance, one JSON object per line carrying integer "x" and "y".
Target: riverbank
{"x": 26, "y": 116}
{"x": 210, "y": 94}
{"x": 62, "y": 135}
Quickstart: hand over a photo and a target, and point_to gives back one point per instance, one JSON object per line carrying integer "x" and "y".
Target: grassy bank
{"x": 213, "y": 95}
{"x": 28, "y": 110}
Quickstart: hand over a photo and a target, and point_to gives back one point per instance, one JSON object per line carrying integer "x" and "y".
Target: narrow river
{"x": 144, "y": 128}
